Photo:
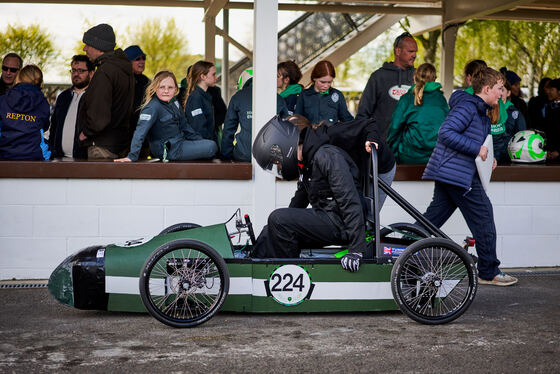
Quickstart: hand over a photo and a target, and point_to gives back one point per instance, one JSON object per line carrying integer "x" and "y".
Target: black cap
{"x": 101, "y": 37}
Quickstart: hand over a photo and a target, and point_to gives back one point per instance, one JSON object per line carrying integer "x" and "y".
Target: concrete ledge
{"x": 228, "y": 170}
{"x": 211, "y": 169}
{"x": 505, "y": 173}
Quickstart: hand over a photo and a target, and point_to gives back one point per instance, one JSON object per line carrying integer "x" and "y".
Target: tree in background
{"x": 164, "y": 44}
{"x": 32, "y": 43}
{"x": 528, "y": 48}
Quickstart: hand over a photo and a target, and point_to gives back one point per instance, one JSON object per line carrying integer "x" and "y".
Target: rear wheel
{"x": 403, "y": 232}
{"x": 434, "y": 281}
{"x": 184, "y": 283}
{"x": 179, "y": 227}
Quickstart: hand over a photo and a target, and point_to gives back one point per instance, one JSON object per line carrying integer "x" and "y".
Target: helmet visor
{"x": 276, "y": 159}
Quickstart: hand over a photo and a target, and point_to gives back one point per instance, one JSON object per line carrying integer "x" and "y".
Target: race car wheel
{"x": 405, "y": 232}
{"x": 179, "y": 227}
{"x": 184, "y": 283}
{"x": 434, "y": 281}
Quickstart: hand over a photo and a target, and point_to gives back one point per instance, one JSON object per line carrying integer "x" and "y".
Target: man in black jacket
{"x": 104, "y": 115}
{"x": 332, "y": 187}
{"x": 63, "y": 133}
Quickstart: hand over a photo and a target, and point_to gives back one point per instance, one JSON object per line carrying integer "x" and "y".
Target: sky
{"x": 66, "y": 24}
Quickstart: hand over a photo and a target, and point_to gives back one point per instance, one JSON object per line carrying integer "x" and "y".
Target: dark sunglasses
{"x": 401, "y": 37}
{"x": 12, "y": 70}
{"x": 140, "y": 58}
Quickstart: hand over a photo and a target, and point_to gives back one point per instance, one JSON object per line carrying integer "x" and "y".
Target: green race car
{"x": 187, "y": 273}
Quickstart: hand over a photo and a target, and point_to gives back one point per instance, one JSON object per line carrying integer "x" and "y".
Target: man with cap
{"x": 11, "y": 64}
{"x": 104, "y": 115}
{"x": 515, "y": 82}
{"x": 138, "y": 59}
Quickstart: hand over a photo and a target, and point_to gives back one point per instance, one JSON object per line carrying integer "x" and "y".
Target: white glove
{"x": 351, "y": 262}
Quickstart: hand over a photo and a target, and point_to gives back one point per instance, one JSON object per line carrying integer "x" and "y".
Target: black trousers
{"x": 291, "y": 229}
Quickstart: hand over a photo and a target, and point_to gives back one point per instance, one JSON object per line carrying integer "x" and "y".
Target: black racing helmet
{"x": 275, "y": 148}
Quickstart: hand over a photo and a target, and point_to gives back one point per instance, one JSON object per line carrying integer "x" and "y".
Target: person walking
{"x": 457, "y": 183}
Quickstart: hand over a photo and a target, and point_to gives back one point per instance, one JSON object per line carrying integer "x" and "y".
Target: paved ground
{"x": 506, "y": 330}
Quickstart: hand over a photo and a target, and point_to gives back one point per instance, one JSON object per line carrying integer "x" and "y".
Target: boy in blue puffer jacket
{"x": 452, "y": 167}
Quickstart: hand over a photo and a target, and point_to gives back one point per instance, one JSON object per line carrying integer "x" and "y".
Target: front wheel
{"x": 184, "y": 283}
{"x": 434, "y": 281}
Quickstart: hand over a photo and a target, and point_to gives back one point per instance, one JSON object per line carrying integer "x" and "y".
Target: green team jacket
{"x": 414, "y": 129}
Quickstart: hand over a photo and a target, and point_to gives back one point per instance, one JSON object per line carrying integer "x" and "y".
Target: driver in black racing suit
{"x": 333, "y": 189}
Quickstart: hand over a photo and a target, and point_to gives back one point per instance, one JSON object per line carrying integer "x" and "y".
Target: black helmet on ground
{"x": 275, "y": 148}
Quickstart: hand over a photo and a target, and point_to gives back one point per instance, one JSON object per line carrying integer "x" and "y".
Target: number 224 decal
{"x": 289, "y": 285}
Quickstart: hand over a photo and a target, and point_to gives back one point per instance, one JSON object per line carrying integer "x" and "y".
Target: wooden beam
{"x": 522, "y": 14}
{"x": 166, "y": 3}
{"x": 238, "y": 45}
{"x": 214, "y": 7}
{"x": 335, "y": 8}
{"x": 456, "y": 11}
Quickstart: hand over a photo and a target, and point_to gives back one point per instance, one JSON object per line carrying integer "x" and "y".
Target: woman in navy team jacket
{"x": 163, "y": 122}
{"x": 198, "y": 102}
{"x": 24, "y": 115}
{"x": 322, "y": 102}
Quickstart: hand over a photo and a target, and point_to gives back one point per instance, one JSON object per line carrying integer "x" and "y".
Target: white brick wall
{"x": 45, "y": 220}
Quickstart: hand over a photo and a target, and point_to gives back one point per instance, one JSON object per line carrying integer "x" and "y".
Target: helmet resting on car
{"x": 527, "y": 146}
{"x": 275, "y": 148}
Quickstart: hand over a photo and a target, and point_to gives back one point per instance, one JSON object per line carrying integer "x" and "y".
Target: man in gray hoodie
{"x": 387, "y": 84}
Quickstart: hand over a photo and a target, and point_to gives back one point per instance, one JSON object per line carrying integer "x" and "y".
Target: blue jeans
{"x": 476, "y": 208}
{"x": 387, "y": 178}
{"x": 193, "y": 150}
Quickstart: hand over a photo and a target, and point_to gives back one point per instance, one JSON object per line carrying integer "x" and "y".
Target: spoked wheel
{"x": 404, "y": 232}
{"x": 179, "y": 227}
{"x": 434, "y": 281}
{"x": 184, "y": 283}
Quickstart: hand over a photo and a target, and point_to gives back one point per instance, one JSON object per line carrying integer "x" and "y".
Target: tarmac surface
{"x": 506, "y": 330}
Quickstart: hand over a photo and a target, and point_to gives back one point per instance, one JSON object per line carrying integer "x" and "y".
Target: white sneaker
{"x": 501, "y": 279}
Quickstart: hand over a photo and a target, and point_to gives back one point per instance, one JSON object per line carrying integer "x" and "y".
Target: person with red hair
{"x": 321, "y": 102}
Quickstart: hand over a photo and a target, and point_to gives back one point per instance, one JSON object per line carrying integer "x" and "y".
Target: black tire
{"x": 179, "y": 227}
{"x": 174, "y": 283}
{"x": 434, "y": 281}
{"x": 403, "y": 232}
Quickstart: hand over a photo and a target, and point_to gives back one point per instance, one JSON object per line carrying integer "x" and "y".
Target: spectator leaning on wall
{"x": 104, "y": 115}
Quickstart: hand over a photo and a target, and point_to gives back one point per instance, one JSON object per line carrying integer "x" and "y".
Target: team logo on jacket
{"x": 515, "y": 114}
{"x": 334, "y": 97}
{"x": 397, "y": 91}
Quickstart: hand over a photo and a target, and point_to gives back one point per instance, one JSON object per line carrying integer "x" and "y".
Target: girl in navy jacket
{"x": 198, "y": 102}
{"x": 163, "y": 122}
{"x": 322, "y": 102}
{"x": 24, "y": 116}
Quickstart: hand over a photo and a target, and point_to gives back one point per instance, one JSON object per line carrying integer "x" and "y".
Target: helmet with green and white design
{"x": 527, "y": 146}
{"x": 244, "y": 77}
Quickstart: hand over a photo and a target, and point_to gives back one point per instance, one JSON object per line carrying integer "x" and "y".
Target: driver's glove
{"x": 351, "y": 261}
